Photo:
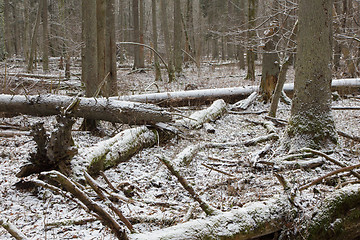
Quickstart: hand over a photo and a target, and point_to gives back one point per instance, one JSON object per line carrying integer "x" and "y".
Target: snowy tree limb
{"x": 12, "y": 229}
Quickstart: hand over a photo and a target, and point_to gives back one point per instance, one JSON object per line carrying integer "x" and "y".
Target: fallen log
{"x": 197, "y": 119}
{"x": 230, "y": 95}
{"x": 338, "y": 217}
{"x": 111, "y": 152}
{"x": 89, "y": 108}
{"x": 253, "y": 220}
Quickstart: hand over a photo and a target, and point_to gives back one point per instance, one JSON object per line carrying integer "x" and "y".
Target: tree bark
{"x": 9, "y": 47}
{"x": 155, "y": 40}
{"x": 136, "y": 32}
{"x": 311, "y": 123}
{"x": 101, "y": 25}
{"x": 45, "y": 56}
{"x": 230, "y": 95}
{"x": 177, "y": 37}
{"x": 110, "y": 53}
{"x": 33, "y": 38}
{"x": 253, "y": 220}
{"x": 89, "y": 108}
{"x": 250, "y": 55}
{"x": 166, "y": 33}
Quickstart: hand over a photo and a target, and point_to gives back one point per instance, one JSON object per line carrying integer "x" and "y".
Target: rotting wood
{"x": 230, "y": 95}
{"x": 244, "y": 104}
{"x": 344, "y": 134}
{"x": 13, "y": 230}
{"x": 89, "y": 108}
{"x": 107, "y": 219}
{"x": 253, "y": 220}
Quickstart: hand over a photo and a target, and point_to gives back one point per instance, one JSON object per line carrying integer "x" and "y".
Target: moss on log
{"x": 111, "y": 152}
{"x": 338, "y": 217}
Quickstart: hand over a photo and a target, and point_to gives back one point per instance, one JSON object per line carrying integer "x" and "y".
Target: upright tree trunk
{"x": 197, "y": 31}
{"x": 89, "y": 74}
{"x": 101, "y": 42}
{"x": 141, "y": 33}
{"x": 45, "y": 56}
{"x": 136, "y": 26}
{"x": 165, "y": 30}
{"x": 26, "y": 30}
{"x": 155, "y": 40}
{"x": 177, "y": 37}
{"x": 250, "y": 55}
{"x": 89, "y": 51}
{"x": 110, "y": 70}
{"x": 33, "y": 38}
{"x": 270, "y": 65}
{"x": 311, "y": 123}
{"x": 9, "y": 47}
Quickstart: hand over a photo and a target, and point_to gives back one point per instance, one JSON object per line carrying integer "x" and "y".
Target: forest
{"x": 180, "y": 119}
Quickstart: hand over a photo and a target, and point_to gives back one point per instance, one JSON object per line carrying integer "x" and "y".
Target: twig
{"x": 68, "y": 222}
{"x": 93, "y": 206}
{"x": 12, "y": 229}
{"x": 247, "y": 113}
{"x": 336, "y": 162}
{"x": 217, "y": 170}
{"x": 344, "y": 134}
{"x": 108, "y": 182}
{"x": 328, "y": 175}
{"x": 204, "y": 206}
{"x": 95, "y": 186}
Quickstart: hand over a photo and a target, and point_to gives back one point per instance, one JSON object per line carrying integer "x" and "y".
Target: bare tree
{"x": 250, "y": 54}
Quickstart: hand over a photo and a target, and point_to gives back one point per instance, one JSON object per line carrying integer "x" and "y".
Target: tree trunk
{"x": 141, "y": 33}
{"x": 110, "y": 68}
{"x": 177, "y": 37}
{"x": 155, "y": 40}
{"x": 136, "y": 32}
{"x": 45, "y": 56}
{"x": 165, "y": 30}
{"x": 9, "y": 47}
{"x": 270, "y": 66}
{"x": 101, "y": 42}
{"x": 250, "y": 54}
{"x": 311, "y": 123}
{"x": 26, "y": 30}
{"x": 33, "y": 38}
{"x": 89, "y": 108}
{"x": 230, "y": 95}
{"x": 197, "y": 32}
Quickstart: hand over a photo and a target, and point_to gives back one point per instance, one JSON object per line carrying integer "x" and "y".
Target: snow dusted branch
{"x": 13, "y": 230}
{"x": 197, "y": 119}
{"x": 253, "y": 220}
{"x": 71, "y": 187}
{"x": 204, "y": 206}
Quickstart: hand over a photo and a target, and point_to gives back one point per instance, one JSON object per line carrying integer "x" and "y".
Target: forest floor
{"x": 157, "y": 198}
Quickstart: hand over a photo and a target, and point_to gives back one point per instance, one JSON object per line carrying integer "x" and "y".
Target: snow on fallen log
{"x": 253, "y": 220}
{"x": 90, "y": 108}
{"x": 113, "y": 151}
{"x": 197, "y": 119}
{"x": 230, "y": 95}
{"x": 338, "y": 217}
{"x": 12, "y": 229}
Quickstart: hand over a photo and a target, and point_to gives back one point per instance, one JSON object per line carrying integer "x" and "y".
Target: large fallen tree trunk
{"x": 253, "y": 220}
{"x": 89, "y": 108}
{"x": 230, "y": 95}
